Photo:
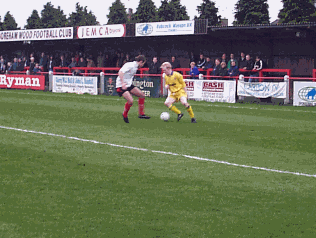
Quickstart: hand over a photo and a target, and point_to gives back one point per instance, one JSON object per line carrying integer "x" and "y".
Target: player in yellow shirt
{"x": 176, "y": 91}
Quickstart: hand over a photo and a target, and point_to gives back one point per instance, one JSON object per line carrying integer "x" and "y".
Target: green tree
{"x": 34, "y": 21}
{"x": 295, "y": 11}
{"x": 1, "y": 24}
{"x": 251, "y": 12}
{"x": 9, "y": 22}
{"x": 82, "y": 17}
{"x": 117, "y": 14}
{"x": 53, "y": 17}
{"x": 179, "y": 11}
{"x": 145, "y": 12}
{"x": 165, "y": 12}
{"x": 207, "y": 10}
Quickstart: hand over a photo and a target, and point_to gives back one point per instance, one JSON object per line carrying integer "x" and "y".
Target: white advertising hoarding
{"x": 37, "y": 34}
{"x": 168, "y": 28}
{"x": 211, "y": 90}
{"x": 75, "y": 84}
{"x": 262, "y": 89}
{"x": 304, "y": 94}
{"x": 85, "y": 32}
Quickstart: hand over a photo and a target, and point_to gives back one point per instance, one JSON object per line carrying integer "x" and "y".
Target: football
{"x": 165, "y": 116}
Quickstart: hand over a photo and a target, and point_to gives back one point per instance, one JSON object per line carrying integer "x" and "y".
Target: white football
{"x": 165, "y": 116}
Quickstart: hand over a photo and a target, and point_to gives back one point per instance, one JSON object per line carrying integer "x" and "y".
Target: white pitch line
{"x": 162, "y": 152}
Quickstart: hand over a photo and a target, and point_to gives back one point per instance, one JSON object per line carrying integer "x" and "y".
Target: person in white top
{"x": 125, "y": 87}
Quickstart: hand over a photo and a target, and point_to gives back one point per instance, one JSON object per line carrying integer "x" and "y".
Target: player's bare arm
{"x": 121, "y": 75}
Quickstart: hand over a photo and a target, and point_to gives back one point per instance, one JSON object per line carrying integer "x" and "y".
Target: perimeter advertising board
{"x": 34, "y": 82}
{"x": 262, "y": 89}
{"x": 75, "y": 84}
{"x": 168, "y": 28}
{"x": 304, "y": 94}
{"x": 62, "y": 33}
{"x": 150, "y": 86}
{"x": 211, "y": 90}
{"x": 106, "y": 31}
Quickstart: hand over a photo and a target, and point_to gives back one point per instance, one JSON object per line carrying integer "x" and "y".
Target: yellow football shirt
{"x": 175, "y": 82}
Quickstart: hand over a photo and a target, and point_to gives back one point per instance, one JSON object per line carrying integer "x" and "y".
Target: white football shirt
{"x": 129, "y": 69}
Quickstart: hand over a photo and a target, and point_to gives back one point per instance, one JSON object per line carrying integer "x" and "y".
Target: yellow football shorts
{"x": 178, "y": 95}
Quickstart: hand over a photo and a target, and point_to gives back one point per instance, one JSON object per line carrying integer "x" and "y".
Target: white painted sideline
{"x": 162, "y": 152}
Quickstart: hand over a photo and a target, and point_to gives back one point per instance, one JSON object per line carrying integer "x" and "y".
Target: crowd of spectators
{"x": 220, "y": 66}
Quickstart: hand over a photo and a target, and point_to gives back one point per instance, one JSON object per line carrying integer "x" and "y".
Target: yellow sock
{"x": 190, "y": 111}
{"x": 174, "y": 109}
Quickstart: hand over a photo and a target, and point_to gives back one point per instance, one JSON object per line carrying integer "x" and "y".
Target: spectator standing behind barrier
{"x": 201, "y": 62}
{"x": 37, "y": 69}
{"x": 233, "y": 70}
{"x": 208, "y": 64}
{"x": 192, "y": 57}
{"x": 9, "y": 68}
{"x": 194, "y": 71}
{"x": 154, "y": 67}
{"x": 224, "y": 59}
{"x": 126, "y": 59}
{"x": 258, "y": 65}
{"x": 32, "y": 65}
{"x": 175, "y": 63}
{"x": 62, "y": 62}
{"x": 232, "y": 58}
{"x": 43, "y": 62}
{"x": 107, "y": 61}
{"x": 223, "y": 69}
{"x": 82, "y": 62}
{"x": 248, "y": 65}
{"x": 20, "y": 65}
{"x": 2, "y": 66}
{"x": 216, "y": 68}
{"x": 15, "y": 64}
{"x": 73, "y": 63}
{"x": 242, "y": 60}
{"x": 51, "y": 64}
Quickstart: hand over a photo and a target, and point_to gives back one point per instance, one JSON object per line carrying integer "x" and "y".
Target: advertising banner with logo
{"x": 168, "y": 28}
{"x": 262, "y": 90}
{"x": 37, "y": 34}
{"x": 150, "y": 86}
{"x": 75, "y": 84}
{"x": 211, "y": 90}
{"x": 85, "y": 32}
{"x": 304, "y": 94}
{"x": 34, "y": 82}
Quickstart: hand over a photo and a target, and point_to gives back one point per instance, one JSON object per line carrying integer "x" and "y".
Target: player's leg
{"x": 128, "y": 105}
{"x": 141, "y": 102}
{"x": 169, "y": 103}
{"x": 185, "y": 103}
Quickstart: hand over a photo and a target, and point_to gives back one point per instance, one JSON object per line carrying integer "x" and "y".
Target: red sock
{"x": 126, "y": 109}
{"x": 141, "y": 106}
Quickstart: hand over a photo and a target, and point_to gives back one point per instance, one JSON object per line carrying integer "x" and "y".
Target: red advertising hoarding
{"x": 34, "y": 82}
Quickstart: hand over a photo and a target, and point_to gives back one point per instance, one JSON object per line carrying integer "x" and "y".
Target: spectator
{"x": 20, "y": 67}
{"x": 37, "y": 69}
{"x": 233, "y": 70}
{"x": 258, "y": 65}
{"x": 2, "y": 66}
{"x": 154, "y": 67}
{"x": 15, "y": 64}
{"x": 216, "y": 68}
{"x": 26, "y": 62}
{"x": 76, "y": 72}
{"x": 232, "y": 58}
{"x": 223, "y": 69}
{"x": 208, "y": 64}
{"x": 242, "y": 61}
{"x": 175, "y": 63}
{"x": 62, "y": 62}
{"x": 194, "y": 71}
{"x": 51, "y": 64}
{"x": 77, "y": 57}
{"x": 100, "y": 60}
{"x": 127, "y": 59}
{"x": 248, "y": 65}
{"x": 192, "y": 58}
{"x": 107, "y": 61}
{"x": 82, "y": 62}
{"x": 43, "y": 62}
{"x": 9, "y": 68}
{"x": 32, "y": 64}
{"x": 90, "y": 63}
{"x": 224, "y": 59}
{"x": 201, "y": 62}
{"x": 121, "y": 60}
{"x": 73, "y": 63}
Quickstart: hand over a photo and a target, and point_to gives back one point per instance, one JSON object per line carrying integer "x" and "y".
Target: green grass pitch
{"x": 53, "y": 186}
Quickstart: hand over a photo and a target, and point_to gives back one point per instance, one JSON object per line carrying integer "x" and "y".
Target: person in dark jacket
{"x": 216, "y": 68}
{"x": 223, "y": 70}
{"x": 233, "y": 70}
{"x": 154, "y": 67}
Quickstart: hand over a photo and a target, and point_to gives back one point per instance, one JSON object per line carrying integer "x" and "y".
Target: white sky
{"x": 22, "y": 9}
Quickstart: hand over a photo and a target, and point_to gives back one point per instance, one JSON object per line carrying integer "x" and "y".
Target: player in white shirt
{"x": 125, "y": 87}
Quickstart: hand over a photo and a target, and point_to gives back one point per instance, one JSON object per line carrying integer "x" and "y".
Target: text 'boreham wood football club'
{"x": 36, "y": 34}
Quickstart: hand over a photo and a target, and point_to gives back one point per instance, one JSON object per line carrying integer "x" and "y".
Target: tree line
{"x": 246, "y": 12}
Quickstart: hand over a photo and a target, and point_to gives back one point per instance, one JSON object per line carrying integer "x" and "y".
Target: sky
{"x": 22, "y": 9}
